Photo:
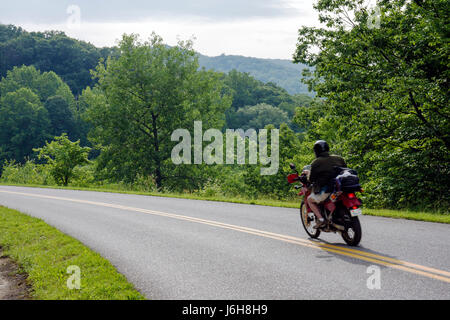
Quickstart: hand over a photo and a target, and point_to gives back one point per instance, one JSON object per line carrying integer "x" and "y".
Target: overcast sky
{"x": 257, "y": 28}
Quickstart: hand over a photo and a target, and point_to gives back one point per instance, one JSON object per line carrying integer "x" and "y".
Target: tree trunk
{"x": 158, "y": 175}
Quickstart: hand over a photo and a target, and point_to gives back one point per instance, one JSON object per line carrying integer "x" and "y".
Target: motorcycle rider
{"x": 321, "y": 176}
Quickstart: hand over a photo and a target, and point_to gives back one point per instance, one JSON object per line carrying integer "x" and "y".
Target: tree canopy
{"x": 70, "y": 59}
{"x": 283, "y": 73}
{"x": 258, "y": 117}
{"x": 24, "y": 124}
{"x": 34, "y": 106}
{"x": 385, "y": 87}
{"x": 142, "y": 97}
{"x": 248, "y": 92}
{"x": 62, "y": 156}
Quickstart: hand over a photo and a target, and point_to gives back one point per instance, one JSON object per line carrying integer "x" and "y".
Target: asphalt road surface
{"x": 189, "y": 249}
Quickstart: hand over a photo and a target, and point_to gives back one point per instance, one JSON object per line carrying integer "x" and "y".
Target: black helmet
{"x": 320, "y": 147}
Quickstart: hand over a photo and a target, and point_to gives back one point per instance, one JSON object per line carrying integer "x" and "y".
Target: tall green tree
{"x": 385, "y": 81}
{"x": 60, "y": 115}
{"x": 273, "y": 185}
{"x": 23, "y": 124}
{"x": 45, "y": 85}
{"x": 53, "y": 93}
{"x": 142, "y": 97}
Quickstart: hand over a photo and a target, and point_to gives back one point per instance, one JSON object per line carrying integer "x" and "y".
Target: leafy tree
{"x": 282, "y": 72}
{"x": 142, "y": 97}
{"x": 26, "y": 173}
{"x": 45, "y": 85}
{"x": 53, "y": 93}
{"x": 24, "y": 124}
{"x": 257, "y": 117}
{"x": 9, "y": 32}
{"x": 242, "y": 86}
{"x": 386, "y": 91}
{"x": 247, "y": 91}
{"x": 272, "y": 94}
{"x": 61, "y": 117}
{"x": 62, "y": 157}
{"x": 70, "y": 59}
{"x": 298, "y": 100}
{"x": 274, "y": 185}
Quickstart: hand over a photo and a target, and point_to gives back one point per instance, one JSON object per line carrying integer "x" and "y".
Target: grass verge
{"x": 45, "y": 253}
{"x": 396, "y": 214}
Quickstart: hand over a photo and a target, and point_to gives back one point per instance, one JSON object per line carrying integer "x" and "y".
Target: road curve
{"x": 188, "y": 249}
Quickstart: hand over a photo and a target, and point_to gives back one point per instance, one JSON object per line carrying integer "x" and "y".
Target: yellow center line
{"x": 358, "y": 254}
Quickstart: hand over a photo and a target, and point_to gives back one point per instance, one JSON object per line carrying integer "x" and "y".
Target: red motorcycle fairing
{"x": 349, "y": 200}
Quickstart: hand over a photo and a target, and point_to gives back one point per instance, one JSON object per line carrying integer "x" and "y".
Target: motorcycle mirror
{"x": 292, "y": 166}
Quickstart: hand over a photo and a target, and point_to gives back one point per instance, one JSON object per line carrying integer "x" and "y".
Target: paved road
{"x": 188, "y": 249}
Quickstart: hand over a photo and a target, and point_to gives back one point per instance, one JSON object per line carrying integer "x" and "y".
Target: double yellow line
{"x": 350, "y": 252}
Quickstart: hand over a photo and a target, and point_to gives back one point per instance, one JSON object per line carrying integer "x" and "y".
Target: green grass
{"x": 45, "y": 253}
{"x": 397, "y": 214}
{"x": 410, "y": 215}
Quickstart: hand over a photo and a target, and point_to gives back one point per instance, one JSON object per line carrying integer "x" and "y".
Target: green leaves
{"x": 386, "y": 91}
{"x": 24, "y": 122}
{"x": 142, "y": 97}
{"x": 50, "y": 51}
{"x": 257, "y": 117}
{"x": 34, "y": 106}
{"x": 62, "y": 157}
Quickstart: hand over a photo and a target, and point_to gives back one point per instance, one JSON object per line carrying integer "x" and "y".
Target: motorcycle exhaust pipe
{"x": 339, "y": 227}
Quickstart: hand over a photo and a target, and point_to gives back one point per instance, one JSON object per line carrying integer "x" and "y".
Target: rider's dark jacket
{"x": 323, "y": 171}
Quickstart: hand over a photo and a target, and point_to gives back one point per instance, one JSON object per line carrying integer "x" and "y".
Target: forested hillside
{"x": 72, "y": 59}
{"x": 281, "y": 72}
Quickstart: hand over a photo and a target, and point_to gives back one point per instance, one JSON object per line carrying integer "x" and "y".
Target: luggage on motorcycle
{"x": 347, "y": 180}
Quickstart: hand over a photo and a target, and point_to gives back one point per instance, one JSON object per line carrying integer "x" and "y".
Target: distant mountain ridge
{"x": 73, "y": 59}
{"x": 284, "y": 73}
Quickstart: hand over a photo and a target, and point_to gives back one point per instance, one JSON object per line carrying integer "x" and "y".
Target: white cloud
{"x": 263, "y": 37}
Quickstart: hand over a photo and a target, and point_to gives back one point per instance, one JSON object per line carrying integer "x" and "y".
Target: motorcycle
{"x": 340, "y": 210}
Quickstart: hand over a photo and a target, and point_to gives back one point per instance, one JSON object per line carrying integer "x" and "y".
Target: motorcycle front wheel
{"x": 309, "y": 221}
{"x": 352, "y": 234}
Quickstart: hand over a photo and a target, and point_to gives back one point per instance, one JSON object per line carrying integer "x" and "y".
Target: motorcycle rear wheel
{"x": 352, "y": 235}
{"x": 309, "y": 221}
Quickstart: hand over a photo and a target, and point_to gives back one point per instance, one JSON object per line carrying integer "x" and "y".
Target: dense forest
{"x": 284, "y": 73}
{"x": 72, "y": 60}
{"x": 381, "y": 103}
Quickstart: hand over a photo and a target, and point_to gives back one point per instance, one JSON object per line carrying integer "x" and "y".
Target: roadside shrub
{"x": 144, "y": 183}
{"x": 83, "y": 176}
{"x": 27, "y": 173}
{"x": 210, "y": 189}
